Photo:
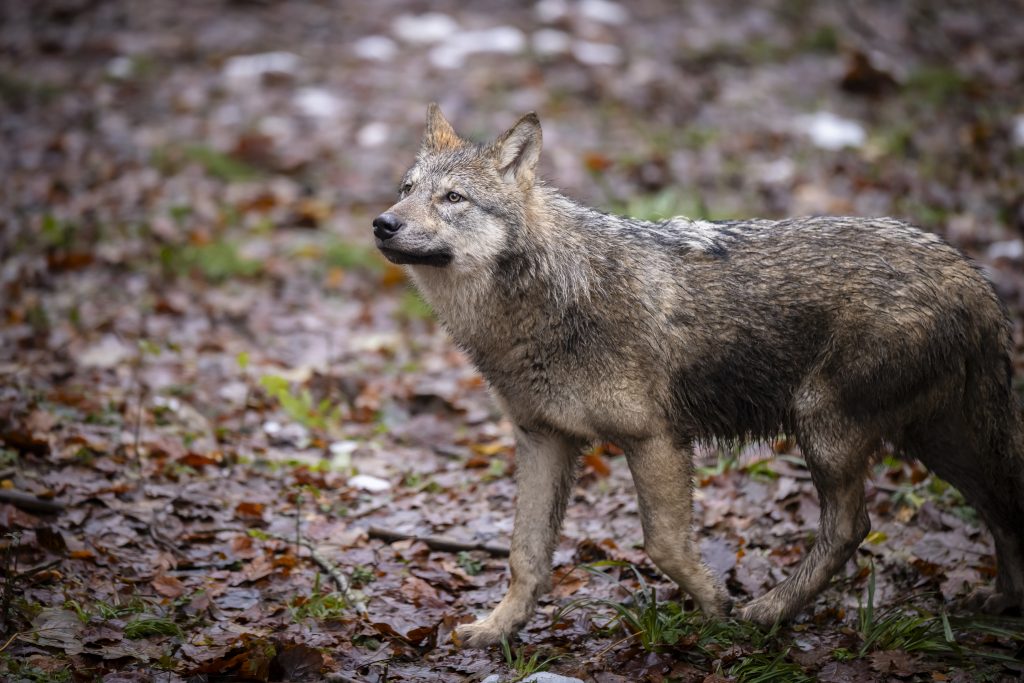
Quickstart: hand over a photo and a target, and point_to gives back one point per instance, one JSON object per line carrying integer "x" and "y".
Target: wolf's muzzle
{"x": 386, "y": 226}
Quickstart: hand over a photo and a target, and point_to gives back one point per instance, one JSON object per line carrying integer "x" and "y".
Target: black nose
{"x": 386, "y": 225}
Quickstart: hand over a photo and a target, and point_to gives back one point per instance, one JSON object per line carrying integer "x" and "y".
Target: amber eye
{"x": 454, "y": 197}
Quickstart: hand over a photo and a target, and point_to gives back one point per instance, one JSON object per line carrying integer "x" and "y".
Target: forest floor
{"x": 236, "y": 424}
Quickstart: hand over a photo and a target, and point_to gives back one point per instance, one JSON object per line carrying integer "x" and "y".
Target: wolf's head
{"x": 458, "y": 202}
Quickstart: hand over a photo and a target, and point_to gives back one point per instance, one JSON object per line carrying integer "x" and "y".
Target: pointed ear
{"x": 439, "y": 135}
{"x": 517, "y": 150}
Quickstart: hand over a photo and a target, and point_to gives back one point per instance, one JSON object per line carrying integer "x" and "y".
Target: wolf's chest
{"x": 587, "y": 398}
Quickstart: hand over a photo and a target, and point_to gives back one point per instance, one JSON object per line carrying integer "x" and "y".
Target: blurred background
{"x": 189, "y": 288}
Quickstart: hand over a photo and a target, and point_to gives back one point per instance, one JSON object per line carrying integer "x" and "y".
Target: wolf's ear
{"x": 517, "y": 150}
{"x": 440, "y": 135}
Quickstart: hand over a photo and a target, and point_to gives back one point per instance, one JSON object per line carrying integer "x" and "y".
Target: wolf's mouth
{"x": 438, "y": 259}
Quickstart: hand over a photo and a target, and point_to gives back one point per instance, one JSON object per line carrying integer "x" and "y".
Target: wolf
{"x": 851, "y": 335}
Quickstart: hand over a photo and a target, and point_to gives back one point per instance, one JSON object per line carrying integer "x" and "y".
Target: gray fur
{"x": 847, "y": 333}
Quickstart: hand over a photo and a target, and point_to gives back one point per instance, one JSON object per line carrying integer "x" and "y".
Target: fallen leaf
{"x": 595, "y": 461}
{"x": 296, "y": 662}
{"x": 249, "y": 510}
{"x": 56, "y": 627}
{"x": 420, "y": 593}
{"x": 168, "y": 586}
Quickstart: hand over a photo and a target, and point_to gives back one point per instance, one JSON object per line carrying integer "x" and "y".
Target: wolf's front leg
{"x": 663, "y": 477}
{"x": 545, "y": 471}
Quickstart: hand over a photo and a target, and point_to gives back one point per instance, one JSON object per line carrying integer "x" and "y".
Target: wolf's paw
{"x": 764, "y": 611}
{"x": 991, "y": 601}
{"x": 726, "y": 606}
{"x": 479, "y": 634}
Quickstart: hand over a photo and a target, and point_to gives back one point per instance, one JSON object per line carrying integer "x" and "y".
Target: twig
{"x": 600, "y": 653}
{"x": 344, "y": 585}
{"x": 11, "y": 639}
{"x": 26, "y": 501}
{"x": 9, "y": 565}
{"x": 298, "y": 521}
{"x": 29, "y": 573}
{"x": 338, "y": 677}
{"x": 138, "y": 423}
{"x": 437, "y": 542}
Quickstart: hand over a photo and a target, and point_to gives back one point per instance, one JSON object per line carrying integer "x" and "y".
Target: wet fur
{"x": 847, "y": 333}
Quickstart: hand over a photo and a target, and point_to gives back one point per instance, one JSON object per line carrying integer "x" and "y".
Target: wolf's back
{"x": 873, "y": 309}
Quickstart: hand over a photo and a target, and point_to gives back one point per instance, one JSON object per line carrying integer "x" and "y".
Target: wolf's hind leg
{"x": 837, "y": 457}
{"x": 985, "y": 462}
{"x": 545, "y": 472}
{"x": 663, "y": 477}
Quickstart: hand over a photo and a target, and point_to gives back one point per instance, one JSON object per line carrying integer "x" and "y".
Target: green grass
{"x": 412, "y": 306}
{"x": 216, "y": 261}
{"x": 822, "y": 39}
{"x": 469, "y": 564}
{"x": 939, "y": 492}
{"x": 766, "y": 667}
{"x": 517, "y": 660}
{"x": 320, "y": 605}
{"x": 144, "y": 626}
{"x": 20, "y": 92}
{"x": 655, "y": 626}
{"x": 937, "y": 84}
{"x": 17, "y": 669}
{"x": 300, "y": 405}
{"x": 220, "y": 165}
{"x": 9, "y": 457}
{"x": 662, "y": 205}
{"x": 660, "y": 626}
{"x": 106, "y": 610}
{"x": 56, "y": 233}
{"x": 896, "y": 628}
{"x": 362, "y": 574}
{"x": 352, "y": 256}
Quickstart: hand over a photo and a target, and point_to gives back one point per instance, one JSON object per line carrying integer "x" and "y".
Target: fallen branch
{"x": 437, "y": 542}
{"x": 339, "y": 578}
{"x": 30, "y": 503}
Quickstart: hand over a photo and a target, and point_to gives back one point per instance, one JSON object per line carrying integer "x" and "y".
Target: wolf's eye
{"x": 404, "y": 190}
{"x": 454, "y": 197}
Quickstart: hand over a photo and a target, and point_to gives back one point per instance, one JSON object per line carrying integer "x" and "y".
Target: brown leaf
{"x": 393, "y": 275}
{"x": 595, "y": 461}
{"x": 477, "y": 462}
{"x": 864, "y": 78}
{"x": 421, "y": 593}
{"x": 51, "y": 539}
{"x": 894, "y": 661}
{"x": 244, "y": 548}
{"x": 297, "y": 662}
{"x": 11, "y": 517}
{"x": 259, "y": 568}
{"x": 489, "y": 449}
{"x": 249, "y": 510}
{"x": 56, "y": 627}
{"x": 595, "y": 162}
{"x": 565, "y": 581}
{"x": 197, "y": 460}
{"x": 840, "y": 672}
{"x": 168, "y": 586}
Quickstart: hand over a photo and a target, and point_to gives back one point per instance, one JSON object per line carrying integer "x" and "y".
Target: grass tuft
{"x": 145, "y": 626}
{"x": 516, "y": 659}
